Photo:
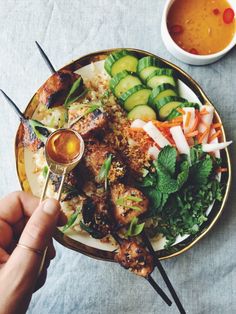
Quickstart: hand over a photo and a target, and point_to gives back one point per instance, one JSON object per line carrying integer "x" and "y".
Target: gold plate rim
{"x": 98, "y": 253}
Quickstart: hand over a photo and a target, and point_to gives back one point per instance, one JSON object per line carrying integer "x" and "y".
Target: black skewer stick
{"x": 14, "y": 106}
{"x": 45, "y": 57}
{"x": 159, "y": 290}
{"x": 155, "y": 286}
{"x": 163, "y": 273}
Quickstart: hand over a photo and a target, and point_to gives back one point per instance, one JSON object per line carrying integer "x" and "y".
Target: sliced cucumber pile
{"x": 162, "y": 91}
{"x": 144, "y": 87}
{"x": 137, "y": 95}
{"x": 161, "y": 76}
{"x": 122, "y": 82}
{"x": 165, "y": 105}
{"x": 119, "y": 61}
{"x": 147, "y": 66}
{"x": 142, "y": 112}
{"x": 174, "y": 113}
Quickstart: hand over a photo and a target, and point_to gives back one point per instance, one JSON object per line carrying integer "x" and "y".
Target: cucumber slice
{"x": 146, "y": 66}
{"x": 142, "y": 112}
{"x": 165, "y": 105}
{"x": 119, "y": 61}
{"x": 137, "y": 95}
{"x": 162, "y": 91}
{"x": 161, "y": 76}
{"x": 122, "y": 82}
{"x": 174, "y": 113}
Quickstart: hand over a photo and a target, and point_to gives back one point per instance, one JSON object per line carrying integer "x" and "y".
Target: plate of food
{"x": 155, "y": 158}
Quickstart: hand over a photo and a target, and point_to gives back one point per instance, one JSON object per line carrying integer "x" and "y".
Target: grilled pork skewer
{"x": 131, "y": 255}
{"x": 54, "y": 91}
{"x": 163, "y": 273}
{"x": 128, "y": 202}
{"x": 35, "y": 133}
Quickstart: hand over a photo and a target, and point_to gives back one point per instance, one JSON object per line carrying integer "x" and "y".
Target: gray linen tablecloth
{"x": 205, "y": 276}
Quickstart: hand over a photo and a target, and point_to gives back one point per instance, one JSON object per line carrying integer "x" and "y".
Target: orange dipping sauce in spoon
{"x": 64, "y": 146}
{"x": 201, "y": 26}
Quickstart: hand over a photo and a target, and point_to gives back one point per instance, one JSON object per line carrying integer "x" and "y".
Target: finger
{"x": 6, "y": 234}
{"x": 51, "y": 252}
{"x": 17, "y": 205}
{"x": 41, "y": 280}
{"x": 24, "y": 264}
{"x": 3, "y": 256}
{"x": 62, "y": 219}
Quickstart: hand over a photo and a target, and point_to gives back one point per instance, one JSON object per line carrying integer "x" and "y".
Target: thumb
{"x": 24, "y": 264}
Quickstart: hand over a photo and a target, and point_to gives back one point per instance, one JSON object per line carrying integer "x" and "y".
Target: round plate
{"x": 88, "y": 246}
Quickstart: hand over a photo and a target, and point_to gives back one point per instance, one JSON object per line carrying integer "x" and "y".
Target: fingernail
{"x": 51, "y": 207}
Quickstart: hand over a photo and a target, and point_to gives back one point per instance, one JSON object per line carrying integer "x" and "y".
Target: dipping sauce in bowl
{"x": 201, "y": 27}
{"x": 64, "y": 146}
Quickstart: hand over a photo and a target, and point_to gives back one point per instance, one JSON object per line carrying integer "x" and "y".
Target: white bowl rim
{"x": 186, "y": 53}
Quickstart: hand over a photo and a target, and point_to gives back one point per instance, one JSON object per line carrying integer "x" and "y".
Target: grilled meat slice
{"x": 96, "y": 217}
{"x": 128, "y": 202}
{"x": 72, "y": 184}
{"x": 133, "y": 256}
{"x": 90, "y": 124}
{"x": 30, "y": 139}
{"x": 95, "y": 156}
{"x": 55, "y": 90}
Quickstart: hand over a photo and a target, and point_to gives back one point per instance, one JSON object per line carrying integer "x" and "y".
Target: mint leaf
{"x": 157, "y": 199}
{"x": 167, "y": 184}
{"x": 201, "y": 170}
{"x": 183, "y": 175}
{"x": 166, "y": 160}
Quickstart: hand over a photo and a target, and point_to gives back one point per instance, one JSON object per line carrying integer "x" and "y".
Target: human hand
{"x": 19, "y": 266}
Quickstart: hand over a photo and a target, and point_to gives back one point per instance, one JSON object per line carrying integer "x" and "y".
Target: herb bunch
{"x": 180, "y": 190}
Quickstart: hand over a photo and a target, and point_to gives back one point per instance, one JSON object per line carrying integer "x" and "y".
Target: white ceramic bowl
{"x": 183, "y": 55}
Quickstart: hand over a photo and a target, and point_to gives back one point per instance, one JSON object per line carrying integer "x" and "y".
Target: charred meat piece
{"x": 94, "y": 158}
{"x": 30, "y": 139}
{"x": 133, "y": 256}
{"x": 96, "y": 217}
{"x": 55, "y": 90}
{"x": 90, "y": 124}
{"x": 128, "y": 202}
{"x": 72, "y": 184}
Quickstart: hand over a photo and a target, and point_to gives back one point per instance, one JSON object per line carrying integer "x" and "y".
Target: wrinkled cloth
{"x": 204, "y": 276}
